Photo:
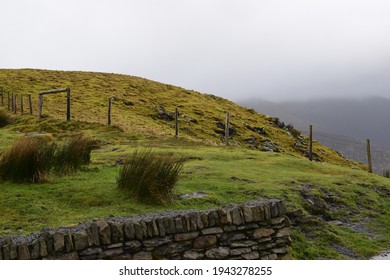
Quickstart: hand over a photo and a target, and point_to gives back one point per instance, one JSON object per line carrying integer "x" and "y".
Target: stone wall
{"x": 254, "y": 230}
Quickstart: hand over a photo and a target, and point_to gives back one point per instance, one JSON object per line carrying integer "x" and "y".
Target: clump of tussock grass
{"x": 29, "y": 159}
{"x": 75, "y": 153}
{"x": 150, "y": 177}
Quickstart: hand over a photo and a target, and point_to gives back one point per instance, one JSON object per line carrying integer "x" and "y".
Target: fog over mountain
{"x": 341, "y": 123}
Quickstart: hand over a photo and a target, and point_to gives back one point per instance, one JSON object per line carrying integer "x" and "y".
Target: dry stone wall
{"x": 254, "y": 230}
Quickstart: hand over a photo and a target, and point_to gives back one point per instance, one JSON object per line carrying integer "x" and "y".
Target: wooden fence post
{"x": 176, "y": 122}
{"x": 15, "y": 103}
{"x": 68, "y": 104}
{"x": 109, "y": 110}
{"x": 21, "y": 104}
{"x": 12, "y": 102}
{"x": 227, "y": 129}
{"x": 40, "y": 105}
{"x": 30, "y": 104}
{"x": 369, "y": 155}
{"x": 311, "y": 142}
{"x": 2, "y": 96}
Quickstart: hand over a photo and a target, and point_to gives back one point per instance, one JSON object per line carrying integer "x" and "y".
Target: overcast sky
{"x": 273, "y": 49}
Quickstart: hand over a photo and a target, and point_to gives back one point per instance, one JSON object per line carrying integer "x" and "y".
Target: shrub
{"x": 74, "y": 153}
{"x": 150, "y": 177}
{"x": 29, "y": 159}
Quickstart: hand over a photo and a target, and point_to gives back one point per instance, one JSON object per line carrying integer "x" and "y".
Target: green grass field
{"x": 345, "y": 210}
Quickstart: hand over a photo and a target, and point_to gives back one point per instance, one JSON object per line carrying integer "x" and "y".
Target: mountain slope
{"x": 342, "y": 124}
{"x": 146, "y": 107}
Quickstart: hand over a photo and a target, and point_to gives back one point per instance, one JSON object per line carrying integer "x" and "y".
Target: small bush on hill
{"x": 73, "y": 154}
{"x": 29, "y": 159}
{"x": 150, "y": 177}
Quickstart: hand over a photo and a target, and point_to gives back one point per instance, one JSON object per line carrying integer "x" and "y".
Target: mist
{"x": 277, "y": 50}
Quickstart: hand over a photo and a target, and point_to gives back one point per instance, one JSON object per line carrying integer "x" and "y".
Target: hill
{"x": 146, "y": 107}
{"x": 337, "y": 209}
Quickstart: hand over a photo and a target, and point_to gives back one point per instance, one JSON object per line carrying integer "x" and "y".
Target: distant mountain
{"x": 342, "y": 124}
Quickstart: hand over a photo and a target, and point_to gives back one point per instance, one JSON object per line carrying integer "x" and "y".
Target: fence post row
{"x": 53, "y": 91}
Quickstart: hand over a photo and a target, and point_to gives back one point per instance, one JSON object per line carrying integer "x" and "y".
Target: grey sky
{"x": 274, "y": 49}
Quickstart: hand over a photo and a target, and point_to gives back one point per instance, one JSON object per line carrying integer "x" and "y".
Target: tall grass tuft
{"x": 150, "y": 177}
{"x": 74, "y": 154}
{"x": 29, "y": 159}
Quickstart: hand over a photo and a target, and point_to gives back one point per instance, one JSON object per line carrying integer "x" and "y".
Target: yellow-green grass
{"x": 226, "y": 175}
{"x": 135, "y": 109}
{"x": 232, "y": 174}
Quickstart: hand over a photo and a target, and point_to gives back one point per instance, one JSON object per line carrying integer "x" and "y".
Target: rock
{"x": 68, "y": 242}
{"x": 42, "y": 248}
{"x": 168, "y": 250}
{"x": 142, "y": 256}
{"x": 247, "y": 213}
{"x": 262, "y": 232}
{"x": 205, "y": 241}
{"x": 94, "y": 234}
{"x": 111, "y": 253}
{"x": 58, "y": 242}
{"x": 138, "y": 233}
{"x": 69, "y": 256}
{"x": 23, "y": 253}
{"x": 193, "y": 255}
{"x": 158, "y": 241}
{"x": 213, "y": 219}
{"x": 116, "y": 232}
{"x": 160, "y": 226}
{"x": 282, "y": 250}
{"x": 283, "y": 232}
{"x": 104, "y": 232}
{"x": 217, "y": 253}
{"x": 91, "y": 251}
{"x": 80, "y": 240}
{"x": 198, "y": 194}
{"x": 225, "y": 216}
{"x": 186, "y": 236}
{"x": 257, "y": 214}
{"x": 239, "y": 251}
{"x": 133, "y": 246}
{"x": 213, "y": 230}
{"x": 179, "y": 225}
{"x": 245, "y": 243}
{"x": 205, "y": 219}
{"x": 34, "y": 247}
{"x": 236, "y": 216}
{"x": 129, "y": 230}
{"x": 251, "y": 256}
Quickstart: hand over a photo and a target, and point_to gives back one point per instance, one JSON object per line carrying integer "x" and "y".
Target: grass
{"x": 93, "y": 193}
{"x": 149, "y": 177}
{"x": 347, "y": 194}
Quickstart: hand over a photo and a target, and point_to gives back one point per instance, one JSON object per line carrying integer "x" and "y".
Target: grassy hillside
{"x": 338, "y": 210}
{"x": 146, "y": 107}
